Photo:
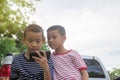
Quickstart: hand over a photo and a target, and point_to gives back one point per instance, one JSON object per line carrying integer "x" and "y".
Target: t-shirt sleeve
{"x": 78, "y": 61}
{"x": 13, "y": 72}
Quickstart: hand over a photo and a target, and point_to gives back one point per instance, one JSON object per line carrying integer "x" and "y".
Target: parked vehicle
{"x": 96, "y": 69}
{"x": 6, "y": 66}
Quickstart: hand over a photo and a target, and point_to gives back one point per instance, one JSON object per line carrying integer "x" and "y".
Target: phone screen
{"x": 36, "y": 55}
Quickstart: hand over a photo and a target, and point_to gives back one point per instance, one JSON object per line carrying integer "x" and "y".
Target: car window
{"x": 94, "y": 68}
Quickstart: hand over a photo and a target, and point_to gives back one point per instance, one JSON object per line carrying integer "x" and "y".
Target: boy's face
{"x": 55, "y": 40}
{"x": 33, "y": 41}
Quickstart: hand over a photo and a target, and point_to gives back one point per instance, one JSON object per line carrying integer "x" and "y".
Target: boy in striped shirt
{"x": 42, "y": 67}
{"x": 68, "y": 64}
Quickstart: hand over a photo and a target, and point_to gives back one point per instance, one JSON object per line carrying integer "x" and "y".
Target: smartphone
{"x": 36, "y": 55}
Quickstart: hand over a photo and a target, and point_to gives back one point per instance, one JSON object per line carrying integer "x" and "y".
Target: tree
{"x": 14, "y": 16}
{"x": 114, "y": 73}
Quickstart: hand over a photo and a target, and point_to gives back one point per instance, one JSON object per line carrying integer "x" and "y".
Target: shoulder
{"x": 72, "y": 51}
{"x": 74, "y": 54}
{"x": 18, "y": 56}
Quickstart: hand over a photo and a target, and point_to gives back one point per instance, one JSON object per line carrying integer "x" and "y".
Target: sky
{"x": 92, "y": 26}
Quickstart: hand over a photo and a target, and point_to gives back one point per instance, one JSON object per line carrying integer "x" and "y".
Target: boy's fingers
{"x": 43, "y": 53}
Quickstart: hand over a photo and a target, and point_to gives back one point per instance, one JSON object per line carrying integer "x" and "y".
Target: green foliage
{"x": 7, "y": 45}
{"x": 114, "y": 73}
{"x": 45, "y": 47}
{"x": 14, "y": 16}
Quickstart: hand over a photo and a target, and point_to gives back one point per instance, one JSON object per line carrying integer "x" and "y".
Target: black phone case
{"x": 35, "y": 54}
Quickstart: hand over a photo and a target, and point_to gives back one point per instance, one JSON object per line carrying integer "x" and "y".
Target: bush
{"x": 7, "y": 45}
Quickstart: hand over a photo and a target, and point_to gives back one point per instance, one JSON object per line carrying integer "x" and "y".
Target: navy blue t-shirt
{"x": 23, "y": 69}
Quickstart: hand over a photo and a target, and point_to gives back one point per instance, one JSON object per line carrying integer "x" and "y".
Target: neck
{"x": 60, "y": 50}
{"x": 27, "y": 55}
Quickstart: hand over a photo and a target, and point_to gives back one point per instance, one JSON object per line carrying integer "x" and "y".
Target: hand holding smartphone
{"x": 36, "y": 55}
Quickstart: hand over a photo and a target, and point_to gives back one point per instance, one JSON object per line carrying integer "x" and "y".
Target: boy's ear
{"x": 23, "y": 40}
{"x": 44, "y": 40}
{"x": 64, "y": 37}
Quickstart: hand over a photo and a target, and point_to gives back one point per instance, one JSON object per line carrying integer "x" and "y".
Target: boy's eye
{"x": 48, "y": 38}
{"x": 29, "y": 40}
{"x": 54, "y": 37}
{"x": 37, "y": 41}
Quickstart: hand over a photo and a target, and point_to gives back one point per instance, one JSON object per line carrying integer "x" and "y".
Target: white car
{"x": 96, "y": 69}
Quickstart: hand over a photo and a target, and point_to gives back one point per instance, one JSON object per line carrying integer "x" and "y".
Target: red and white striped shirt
{"x": 68, "y": 65}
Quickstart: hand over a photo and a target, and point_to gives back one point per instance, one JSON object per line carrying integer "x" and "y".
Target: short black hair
{"x": 60, "y": 28}
{"x": 34, "y": 28}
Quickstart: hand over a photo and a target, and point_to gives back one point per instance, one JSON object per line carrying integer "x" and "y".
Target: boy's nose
{"x": 50, "y": 39}
{"x": 34, "y": 44}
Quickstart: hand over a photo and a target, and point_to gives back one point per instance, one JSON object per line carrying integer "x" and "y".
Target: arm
{"x": 4, "y": 78}
{"x": 42, "y": 60}
{"x": 13, "y": 71}
{"x": 47, "y": 75}
{"x": 84, "y": 75}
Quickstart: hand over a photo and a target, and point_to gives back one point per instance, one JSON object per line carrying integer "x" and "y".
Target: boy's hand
{"x": 42, "y": 60}
{"x": 4, "y": 78}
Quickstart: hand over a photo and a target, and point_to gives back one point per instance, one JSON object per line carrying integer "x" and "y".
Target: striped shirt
{"x": 68, "y": 65}
{"x": 23, "y": 69}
